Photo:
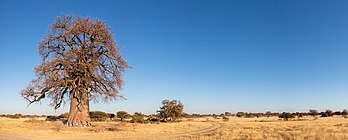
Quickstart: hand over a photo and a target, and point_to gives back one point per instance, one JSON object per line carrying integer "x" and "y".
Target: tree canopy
{"x": 171, "y": 110}
{"x": 81, "y": 59}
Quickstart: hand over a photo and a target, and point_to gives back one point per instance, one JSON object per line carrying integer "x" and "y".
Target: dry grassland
{"x": 202, "y": 128}
{"x": 305, "y": 128}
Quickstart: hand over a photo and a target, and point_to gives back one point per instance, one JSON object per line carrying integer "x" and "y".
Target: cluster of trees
{"x": 171, "y": 110}
{"x": 288, "y": 115}
{"x": 311, "y": 112}
{"x": 15, "y": 116}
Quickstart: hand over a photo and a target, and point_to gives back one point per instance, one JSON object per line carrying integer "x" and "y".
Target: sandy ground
{"x": 40, "y": 129}
{"x": 304, "y": 128}
{"x": 203, "y": 128}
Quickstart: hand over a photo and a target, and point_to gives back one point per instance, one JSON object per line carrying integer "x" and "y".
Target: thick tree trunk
{"x": 79, "y": 110}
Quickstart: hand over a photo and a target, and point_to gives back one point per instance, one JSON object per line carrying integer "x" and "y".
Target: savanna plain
{"x": 307, "y": 127}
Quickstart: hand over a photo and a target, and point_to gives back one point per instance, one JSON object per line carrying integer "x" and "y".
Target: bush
{"x": 15, "y": 116}
{"x": 286, "y": 116}
{"x": 111, "y": 116}
{"x": 344, "y": 112}
{"x": 153, "y": 119}
{"x": 98, "y": 116}
{"x": 63, "y": 116}
{"x": 313, "y": 112}
{"x": 138, "y": 118}
{"x": 122, "y": 115}
{"x": 51, "y": 118}
{"x": 240, "y": 114}
{"x": 268, "y": 114}
{"x": 327, "y": 113}
{"x": 225, "y": 119}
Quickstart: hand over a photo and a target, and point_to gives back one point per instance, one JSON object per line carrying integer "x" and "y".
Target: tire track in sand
{"x": 204, "y": 131}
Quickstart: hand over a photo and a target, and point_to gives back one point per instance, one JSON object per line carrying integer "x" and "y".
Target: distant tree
{"x": 80, "y": 61}
{"x": 98, "y": 116}
{"x": 225, "y": 118}
{"x": 298, "y": 114}
{"x": 338, "y": 113}
{"x": 52, "y": 118}
{"x": 185, "y": 115}
{"x": 240, "y": 114}
{"x": 286, "y": 116}
{"x": 63, "y": 116}
{"x": 122, "y": 115}
{"x": 327, "y": 113}
{"x": 111, "y": 116}
{"x": 313, "y": 112}
{"x": 171, "y": 110}
{"x": 268, "y": 114}
{"x": 228, "y": 114}
{"x": 138, "y": 118}
{"x": 344, "y": 113}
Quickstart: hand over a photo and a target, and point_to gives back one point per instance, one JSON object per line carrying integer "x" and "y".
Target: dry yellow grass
{"x": 202, "y": 128}
{"x": 40, "y": 129}
{"x": 330, "y": 128}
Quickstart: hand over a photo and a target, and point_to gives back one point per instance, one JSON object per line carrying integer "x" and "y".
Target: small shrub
{"x": 138, "y": 118}
{"x": 153, "y": 120}
{"x": 344, "y": 113}
{"x": 122, "y": 115}
{"x": 268, "y": 114}
{"x": 240, "y": 114}
{"x": 327, "y": 113}
{"x": 225, "y": 119}
{"x": 15, "y": 116}
{"x": 313, "y": 112}
{"x": 63, "y": 116}
{"x": 286, "y": 116}
{"x": 51, "y": 118}
{"x": 98, "y": 116}
{"x": 111, "y": 116}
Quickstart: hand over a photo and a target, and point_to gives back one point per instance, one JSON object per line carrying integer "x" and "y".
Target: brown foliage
{"x": 79, "y": 58}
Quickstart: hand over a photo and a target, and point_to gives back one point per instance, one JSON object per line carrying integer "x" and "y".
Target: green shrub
{"x": 286, "y": 116}
{"x": 240, "y": 114}
{"x": 98, "y": 116}
{"x": 51, "y": 118}
{"x": 63, "y": 116}
{"x": 171, "y": 110}
{"x": 122, "y": 115}
{"x": 138, "y": 118}
{"x": 15, "y": 116}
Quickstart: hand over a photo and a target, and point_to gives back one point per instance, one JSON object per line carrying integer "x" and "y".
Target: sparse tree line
{"x": 172, "y": 110}
{"x": 288, "y": 115}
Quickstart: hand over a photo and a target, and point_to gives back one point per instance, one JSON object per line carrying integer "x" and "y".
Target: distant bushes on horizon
{"x": 138, "y": 117}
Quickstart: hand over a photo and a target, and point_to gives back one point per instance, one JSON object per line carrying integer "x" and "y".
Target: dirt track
{"x": 204, "y": 131}
{"x": 215, "y": 126}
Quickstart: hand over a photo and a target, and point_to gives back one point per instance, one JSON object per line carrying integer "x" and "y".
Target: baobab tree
{"x": 80, "y": 63}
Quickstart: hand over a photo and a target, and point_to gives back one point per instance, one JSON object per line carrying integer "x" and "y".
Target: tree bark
{"x": 79, "y": 110}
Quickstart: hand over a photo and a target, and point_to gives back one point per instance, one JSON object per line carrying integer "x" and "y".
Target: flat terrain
{"x": 199, "y": 128}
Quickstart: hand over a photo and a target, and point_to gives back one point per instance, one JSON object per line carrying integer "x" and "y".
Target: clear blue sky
{"x": 214, "y": 56}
